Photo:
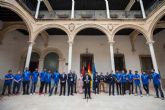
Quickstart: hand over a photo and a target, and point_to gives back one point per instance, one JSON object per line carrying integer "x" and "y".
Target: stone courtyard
{"x": 76, "y": 102}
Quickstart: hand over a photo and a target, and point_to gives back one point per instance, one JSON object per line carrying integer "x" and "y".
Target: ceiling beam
{"x": 49, "y": 7}
{"x": 130, "y": 4}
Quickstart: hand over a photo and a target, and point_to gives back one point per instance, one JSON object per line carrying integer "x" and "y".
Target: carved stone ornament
{"x": 110, "y": 27}
{"x": 71, "y": 27}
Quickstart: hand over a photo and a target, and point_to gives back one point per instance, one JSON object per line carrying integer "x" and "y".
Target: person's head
{"x": 36, "y": 69}
{"x": 136, "y": 72}
{"x": 152, "y": 70}
{"x": 44, "y": 69}
{"x": 19, "y": 72}
{"x": 117, "y": 71}
{"x": 123, "y": 71}
{"x": 49, "y": 71}
{"x": 130, "y": 71}
{"x": 10, "y": 71}
{"x": 26, "y": 69}
{"x": 101, "y": 73}
{"x": 143, "y": 72}
{"x": 81, "y": 75}
{"x": 107, "y": 73}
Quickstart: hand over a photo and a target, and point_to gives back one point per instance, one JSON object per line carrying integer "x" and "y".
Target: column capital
{"x": 150, "y": 42}
{"x": 70, "y": 42}
{"x": 30, "y": 42}
{"x": 112, "y": 42}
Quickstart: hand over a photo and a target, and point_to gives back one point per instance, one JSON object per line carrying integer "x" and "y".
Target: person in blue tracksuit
{"x": 130, "y": 82}
{"x": 157, "y": 84}
{"x": 7, "y": 82}
{"x": 48, "y": 77}
{"x": 137, "y": 83}
{"x": 17, "y": 82}
{"x": 118, "y": 82}
{"x": 42, "y": 80}
{"x": 26, "y": 81}
{"x": 34, "y": 77}
{"x": 123, "y": 81}
{"x": 56, "y": 77}
{"x": 145, "y": 81}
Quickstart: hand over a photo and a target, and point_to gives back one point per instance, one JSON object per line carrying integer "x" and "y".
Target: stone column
{"x": 153, "y": 55}
{"x": 70, "y": 56}
{"x": 28, "y": 57}
{"x": 142, "y": 9}
{"x": 112, "y": 56}
{"x": 38, "y": 8}
{"x": 107, "y": 9}
{"x": 73, "y": 9}
{"x": 41, "y": 64}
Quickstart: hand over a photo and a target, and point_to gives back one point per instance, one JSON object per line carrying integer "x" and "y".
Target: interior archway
{"x": 51, "y": 62}
{"x": 93, "y": 48}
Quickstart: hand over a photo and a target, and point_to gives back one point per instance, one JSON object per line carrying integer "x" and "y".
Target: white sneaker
{"x": 141, "y": 95}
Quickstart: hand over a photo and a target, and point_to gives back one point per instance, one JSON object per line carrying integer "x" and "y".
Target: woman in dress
{"x": 80, "y": 83}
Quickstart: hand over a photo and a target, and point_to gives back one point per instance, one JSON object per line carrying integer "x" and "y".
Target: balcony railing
{"x": 92, "y": 14}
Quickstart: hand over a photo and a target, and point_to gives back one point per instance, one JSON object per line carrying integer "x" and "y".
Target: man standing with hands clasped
{"x": 86, "y": 86}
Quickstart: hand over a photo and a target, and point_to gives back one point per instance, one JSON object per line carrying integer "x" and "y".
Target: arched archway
{"x": 51, "y": 61}
{"x": 159, "y": 46}
{"x": 90, "y": 47}
{"x": 130, "y": 49}
{"x": 21, "y": 14}
{"x": 15, "y": 37}
{"x": 52, "y": 26}
{"x": 129, "y": 26}
{"x": 157, "y": 17}
{"x": 91, "y": 26}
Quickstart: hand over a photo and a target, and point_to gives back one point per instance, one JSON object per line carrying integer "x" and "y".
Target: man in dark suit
{"x": 63, "y": 78}
{"x": 96, "y": 81}
{"x": 86, "y": 86}
{"x": 111, "y": 81}
{"x": 75, "y": 82}
{"x": 70, "y": 80}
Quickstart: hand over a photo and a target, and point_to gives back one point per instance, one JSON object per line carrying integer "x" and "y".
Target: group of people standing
{"x": 49, "y": 81}
{"x": 30, "y": 79}
{"x": 123, "y": 81}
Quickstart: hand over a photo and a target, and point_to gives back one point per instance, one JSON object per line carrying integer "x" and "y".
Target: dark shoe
{"x": 156, "y": 97}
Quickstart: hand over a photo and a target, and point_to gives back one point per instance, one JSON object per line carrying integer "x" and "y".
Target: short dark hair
{"x": 9, "y": 71}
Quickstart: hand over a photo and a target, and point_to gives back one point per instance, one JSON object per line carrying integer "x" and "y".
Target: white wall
{"x": 160, "y": 51}
{"x": 11, "y": 49}
{"x": 15, "y": 43}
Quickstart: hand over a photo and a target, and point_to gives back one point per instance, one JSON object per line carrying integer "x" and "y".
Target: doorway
{"x": 119, "y": 62}
{"x": 146, "y": 62}
{"x": 85, "y": 60}
{"x": 34, "y": 61}
{"x": 51, "y": 62}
